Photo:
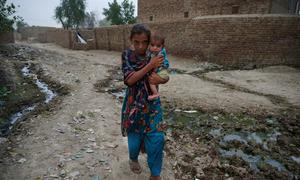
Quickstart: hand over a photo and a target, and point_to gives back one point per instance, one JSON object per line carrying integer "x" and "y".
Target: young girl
{"x": 142, "y": 119}
{"x": 157, "y": 48}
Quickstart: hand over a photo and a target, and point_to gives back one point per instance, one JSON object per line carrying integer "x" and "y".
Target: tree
{"x": 90, "y": 20}
{"x": 113, "y": 13}
{"x": 70, "y": 13}
{"x": 104, "y": 22}
{"x": 120, "y": 14}
{"x": 128, "y": 12}
{"x": 21, "y": 24}
{"x": 60, "y": 17}
{"x": 7, "y": 17}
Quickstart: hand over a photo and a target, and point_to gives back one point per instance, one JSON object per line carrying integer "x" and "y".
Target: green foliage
{"x": 7, "y": 17}
{"x": 3, "y": 91}
{"x": 120, "y": 14}
{"x": 20, "y": 24}
{"x": 89, "y": 20}
{"x": 104, "y": 22}
{"x": 127, "y": 12}
{"x": 113, "y": 13}
{"x": 70, "y": 13}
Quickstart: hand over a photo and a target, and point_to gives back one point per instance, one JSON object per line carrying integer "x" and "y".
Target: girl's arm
{"x": 137, "y": 75}
{"x": 155, "y": 79}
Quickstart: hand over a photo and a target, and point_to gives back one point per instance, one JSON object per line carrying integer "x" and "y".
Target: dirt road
{"x": 80, "y": 138}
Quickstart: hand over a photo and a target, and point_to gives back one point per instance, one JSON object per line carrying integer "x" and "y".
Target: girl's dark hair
{"x": 140, "y": 29}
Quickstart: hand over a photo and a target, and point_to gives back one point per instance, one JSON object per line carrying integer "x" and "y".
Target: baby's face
{"x": 156, "y": 46}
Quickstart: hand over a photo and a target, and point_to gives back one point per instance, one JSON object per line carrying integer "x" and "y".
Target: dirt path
{"x": 80, "y": 138}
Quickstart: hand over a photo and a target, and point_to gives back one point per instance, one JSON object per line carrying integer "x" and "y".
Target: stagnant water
{"x": 43, "y": 87}
{"x": 236, "y": 135}
{"x": 223, "y": 128}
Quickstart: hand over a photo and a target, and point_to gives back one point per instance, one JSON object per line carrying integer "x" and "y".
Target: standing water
{"x": 49, "y": 94}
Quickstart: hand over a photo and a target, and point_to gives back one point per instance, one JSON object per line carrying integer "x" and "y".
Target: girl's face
{"x": 156, "y": 46}
{"x": 140, "y": 43}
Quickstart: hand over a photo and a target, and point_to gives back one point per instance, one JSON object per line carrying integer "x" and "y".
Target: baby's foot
{"x": 153, "y": 97}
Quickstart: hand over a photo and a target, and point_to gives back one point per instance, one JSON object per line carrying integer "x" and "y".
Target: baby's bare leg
{"x": 154, "y": 94}
{"x": 153, "y": 89}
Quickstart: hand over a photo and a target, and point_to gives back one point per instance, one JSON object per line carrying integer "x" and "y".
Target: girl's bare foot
{"x": 135, "y": 167}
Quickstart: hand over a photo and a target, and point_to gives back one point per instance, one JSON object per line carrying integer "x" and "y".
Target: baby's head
{"x": 157, "y": 42}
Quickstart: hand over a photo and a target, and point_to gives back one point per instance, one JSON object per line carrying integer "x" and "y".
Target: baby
{"x": 156, "y": 48}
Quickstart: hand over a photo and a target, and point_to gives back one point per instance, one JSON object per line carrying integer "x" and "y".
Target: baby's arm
{"x": 166, "y": 60}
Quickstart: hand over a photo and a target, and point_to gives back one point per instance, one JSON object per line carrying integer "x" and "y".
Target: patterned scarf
{"x": 135, "y": 101}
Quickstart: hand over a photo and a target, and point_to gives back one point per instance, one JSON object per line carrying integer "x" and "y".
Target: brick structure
{"x": 7, "y": 37}
{"x": 172, "y": 10}
{"x": 230, "y": 40}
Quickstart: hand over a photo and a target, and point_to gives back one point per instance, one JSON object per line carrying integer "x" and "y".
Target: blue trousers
{"x": 154, "y": 144}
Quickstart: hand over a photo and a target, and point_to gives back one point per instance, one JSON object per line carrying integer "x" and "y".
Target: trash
{"x": 75, "y": 173}
{"x": 111, "y": 145}
{"x": 191, "y": 111}
{"x": 91, "y": 131}
{"x": 61, "y": 163}
{"x": 62, "y": 173}
{"x": 3, "y": 140}
{"x": 96, "y": 177}
{"x": 22, "y": 160}
{"x": 92, "y": 139}
{"x": 89, "y": 151}
{"x": 77, "y": 156}
{"x": 216, "y": 118}
{"x": 54, "y": 176}
{"x": 60, "y": 131}
{"x": 79, "y": 114}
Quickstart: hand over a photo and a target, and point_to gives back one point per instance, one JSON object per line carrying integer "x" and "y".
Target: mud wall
{"x": 7, "y": 38}
{"x": 170, "y": 10}
{"x": 236, "y": 40}
{"x": 231, "y": 40}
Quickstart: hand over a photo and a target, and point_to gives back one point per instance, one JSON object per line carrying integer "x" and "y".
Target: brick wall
{"x": 7, "y": 38}
{"x": 170, "y": 10}
{"x": 34, "y": 32}
{"x": 61, "y": 37}
{"x": 113, "y": 38}
{"x": 231, "y": 40}
{"x": 102, "y": 38}
{"x": 236, "y": 40}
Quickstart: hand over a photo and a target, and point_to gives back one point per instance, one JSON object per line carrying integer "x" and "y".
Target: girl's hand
{"x": 155, "y": 62}
{"x": 155, "y": 79}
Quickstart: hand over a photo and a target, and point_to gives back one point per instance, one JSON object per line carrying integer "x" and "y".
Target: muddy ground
{"x": 223, "y": 124}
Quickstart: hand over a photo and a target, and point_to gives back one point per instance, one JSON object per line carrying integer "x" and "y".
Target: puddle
{"x": 296, "y": 159}
{"x": 215, "y": 132}
{"x": 276, "y": 164}
{"x": 14, "y": 118}
{"x": 43, "y": 87}
{"x": 257, "y": 139}
{"x": 251, "y": 160}
{"x": 232, "y": 137}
